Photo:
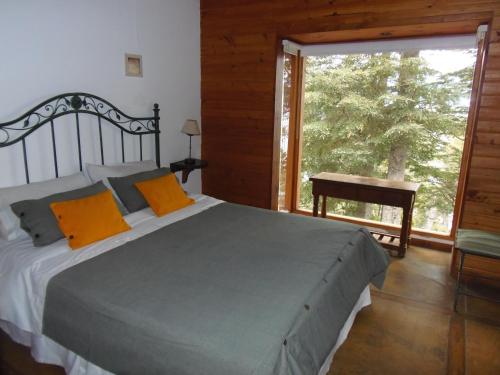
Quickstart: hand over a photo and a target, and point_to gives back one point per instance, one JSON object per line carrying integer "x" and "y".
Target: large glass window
{"x": 391, "y": 115}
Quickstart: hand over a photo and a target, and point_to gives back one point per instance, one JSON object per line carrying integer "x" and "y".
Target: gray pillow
{"x": 38, "y": 219}
{"x": 128, "y": 193}
{"x": 10, "y": 226}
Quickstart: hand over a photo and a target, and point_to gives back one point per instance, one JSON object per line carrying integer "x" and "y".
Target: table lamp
{"x": 190, "y": 128}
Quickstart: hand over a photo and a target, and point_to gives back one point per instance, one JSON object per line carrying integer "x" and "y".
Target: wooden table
{"x": 370, "y": 190}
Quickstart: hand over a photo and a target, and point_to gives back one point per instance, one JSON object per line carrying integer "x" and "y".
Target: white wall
{"x": 54, "y": 46}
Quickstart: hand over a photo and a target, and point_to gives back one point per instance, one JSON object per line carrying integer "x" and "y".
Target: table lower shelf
{"x": 388, "y": 240}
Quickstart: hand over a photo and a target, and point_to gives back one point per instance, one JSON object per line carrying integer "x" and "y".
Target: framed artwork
{"x": 133, "y": 65}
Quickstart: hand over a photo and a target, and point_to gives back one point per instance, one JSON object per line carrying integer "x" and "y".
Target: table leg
{"x": 315, "y": 204}
{"x": 410, "y": 220}
{"x": 323, "y": 207}
{"x": 405, "y": 228}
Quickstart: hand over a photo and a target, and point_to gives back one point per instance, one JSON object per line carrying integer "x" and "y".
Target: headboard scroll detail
{"x": 77, "y": 103}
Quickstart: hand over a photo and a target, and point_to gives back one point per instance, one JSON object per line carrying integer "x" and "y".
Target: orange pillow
{"x": 89, "y": 219}
{"x": 164, "y": 194}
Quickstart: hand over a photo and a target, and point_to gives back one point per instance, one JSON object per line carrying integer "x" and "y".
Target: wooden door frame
{"x": 294, "y": 130}
{"x": 278, "y": 105}
{"x": 471, "y": 129}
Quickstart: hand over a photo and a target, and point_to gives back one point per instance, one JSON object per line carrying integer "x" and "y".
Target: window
{"x": 394, "y": 110}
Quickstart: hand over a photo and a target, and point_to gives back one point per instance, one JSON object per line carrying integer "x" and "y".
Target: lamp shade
{"x": 191, "y": 128}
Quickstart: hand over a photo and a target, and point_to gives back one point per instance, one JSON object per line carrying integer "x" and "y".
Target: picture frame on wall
{"x": 133, "y": 65}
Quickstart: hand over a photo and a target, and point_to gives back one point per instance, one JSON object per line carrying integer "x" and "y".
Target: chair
{"x": 478, "y": 243}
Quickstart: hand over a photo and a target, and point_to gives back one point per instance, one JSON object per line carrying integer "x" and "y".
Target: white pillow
{"x": 97, "y": 172}
{"x": 10, "y": 228}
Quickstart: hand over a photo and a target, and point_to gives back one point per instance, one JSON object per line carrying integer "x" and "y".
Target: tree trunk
{"x": 398, "y": 153}
{"x": 363, "y": 209}
{"x": 395, "y": 171}
{"x": 380, "y": 85}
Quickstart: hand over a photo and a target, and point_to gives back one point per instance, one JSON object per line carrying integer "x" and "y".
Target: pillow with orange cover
{"x": 163, "y": 194}
{"x": 90, "y": 219}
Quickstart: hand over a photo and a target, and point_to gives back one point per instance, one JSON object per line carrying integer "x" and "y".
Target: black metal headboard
{"x": 76, "y": 103}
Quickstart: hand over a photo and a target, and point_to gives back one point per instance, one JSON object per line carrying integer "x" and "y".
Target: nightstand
{"x": 187, "y": 168}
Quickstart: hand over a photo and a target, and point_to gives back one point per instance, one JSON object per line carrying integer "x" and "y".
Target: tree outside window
{"x": 399, "y": 116}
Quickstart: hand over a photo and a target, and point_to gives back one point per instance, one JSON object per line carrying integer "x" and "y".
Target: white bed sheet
{"x": 25, "y": 272}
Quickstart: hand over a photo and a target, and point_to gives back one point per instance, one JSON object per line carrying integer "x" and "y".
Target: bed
{"x": 212, "y": 288}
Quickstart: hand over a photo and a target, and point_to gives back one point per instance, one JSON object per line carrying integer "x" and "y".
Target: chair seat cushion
{"x": 478, "y": 242}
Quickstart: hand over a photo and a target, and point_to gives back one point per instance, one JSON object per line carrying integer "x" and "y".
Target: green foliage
{"x": 359, "y": 108}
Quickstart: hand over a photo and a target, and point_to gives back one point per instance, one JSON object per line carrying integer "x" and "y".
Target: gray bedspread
{"x": 232, "y": 290}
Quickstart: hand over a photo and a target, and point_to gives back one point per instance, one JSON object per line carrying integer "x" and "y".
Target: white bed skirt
{"x": 45, "y": 350}
{"x": 363, "y": 301}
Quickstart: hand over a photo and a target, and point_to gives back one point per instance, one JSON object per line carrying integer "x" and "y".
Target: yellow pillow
{"x": 164, "y": 194}
{"x": 89, "y": 219}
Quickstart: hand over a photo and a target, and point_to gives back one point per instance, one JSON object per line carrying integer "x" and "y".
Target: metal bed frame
{"x": 77, "y": 103}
